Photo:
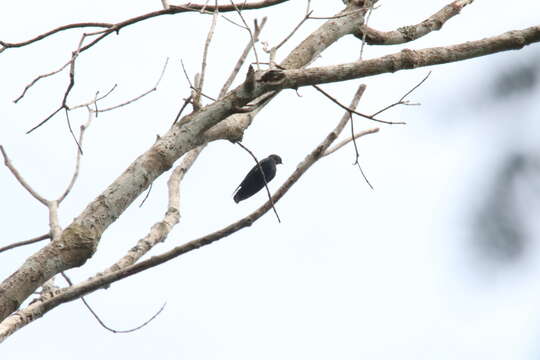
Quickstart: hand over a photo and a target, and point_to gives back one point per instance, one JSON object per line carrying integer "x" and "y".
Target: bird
{"x": 254, "y": 181}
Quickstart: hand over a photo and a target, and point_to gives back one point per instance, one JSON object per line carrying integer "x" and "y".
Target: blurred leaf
{"x": 519, "y": 79}
{"x": 500, "y": 228}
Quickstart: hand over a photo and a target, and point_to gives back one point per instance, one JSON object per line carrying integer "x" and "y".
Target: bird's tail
{"x": 235, "y": 195}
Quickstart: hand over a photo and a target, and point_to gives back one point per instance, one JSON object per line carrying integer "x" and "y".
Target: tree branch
{"x": 409, "y": 59}
{"x": 25, "y": 242}
{"x": 20, "y": 179}
{"x": 338, "y": 146}
{"x": 410, "y": 33}
{"x": 171, "y": 10}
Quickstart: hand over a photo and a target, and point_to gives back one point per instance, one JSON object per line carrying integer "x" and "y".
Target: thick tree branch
{"x": 410, "y": 33}
{"x": 409, "y": 59}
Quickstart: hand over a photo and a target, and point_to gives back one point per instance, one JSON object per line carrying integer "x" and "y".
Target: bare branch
{"x": 42, "y": 76}
{"x": 160, "y": 230}
{"x": 370, "y": 117}
{"x": 341, "y": 144}
{"x": 410, "y": 33}
{"x": 79, "y": 153}
{"x": 98, "y": 319}
{"x": 357, "y": 153}
{"x": 411, "y": 59}
{"x": 146, "y": 195}
{"x": 242, "y": 58}
{"x": 338, "y": 16}
{"x": 308, "y": 13}
{"x": 200, "y": 85}
{"x": 366, "y": 22}
{"x": 25, "y": 242}
{"x": 186, "y": 102}
{"x": 173, "y": 9}
{"x": 122, "y": 331}
{"x": 251, "y": 36}
{"x": 20, "y": 179}
{"x": 186, "y": 74}
{"x": 189, "y": 7}
{"x": 45, "y": 120}
{"x": 402, "y": 101}
{"x": 138, "y": 97}
{"x": 54, "y": 224}
{"x": 71, "y": 83}
{"x": 94, "y": 100}
{"x": 7, "y": 45}
{"x": 79, "y": 148}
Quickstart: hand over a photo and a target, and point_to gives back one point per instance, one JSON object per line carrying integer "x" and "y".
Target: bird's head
{"x": 275, "y": 158}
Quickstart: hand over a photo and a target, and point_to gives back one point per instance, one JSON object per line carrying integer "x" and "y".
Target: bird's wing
{"x": 250, "y": 175}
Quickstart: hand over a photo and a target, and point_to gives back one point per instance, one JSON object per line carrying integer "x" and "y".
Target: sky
{"x": 349, "y": 272}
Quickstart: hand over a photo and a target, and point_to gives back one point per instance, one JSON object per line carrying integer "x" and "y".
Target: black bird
{"x": 254, "y": 181}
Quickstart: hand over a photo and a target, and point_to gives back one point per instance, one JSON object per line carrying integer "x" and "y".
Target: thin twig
{"x": 364, "y": 35}
{"x": 45, "y": 120}
{"x": 346, "y": 141}
{"x": 336, "y": 16}
{"x": 264, "y": 178}
{"x": 146, "y": 196}
{"x": 357, "y": 154}
{"x": 370, "y": 117}
{"x": 63, "y": 104}
{"x": 95, "y": 315}
{"x": 186, "y": 102}
{"x": 94, "y": 100}
{"x": 186, "y": 74}
{"x": 25, "y": 242}
{"x": 194, "y": 87}
{"x": 79, "y": 153}
{"x": 402, "y": 101}
{"x": 20, "y": 179}
{"x": 203, "y": 94}
{"x": 233, "y": 22}
{"x": 138, "y": 97}
{"x": 197, "y": 98}
{"x": 242, "y": 59}
{"x": 36, "y": 79}
{"x": 123, "y": 331}
{"x": 7, "y": 45}
{"x": 249, "y": 31}
{"x": 308, "y": 13}
{"x": 115, "y": 28}
{"x": 71, "y": 132}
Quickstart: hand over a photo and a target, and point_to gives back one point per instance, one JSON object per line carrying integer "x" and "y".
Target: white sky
{"x": 350, "y": 273}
